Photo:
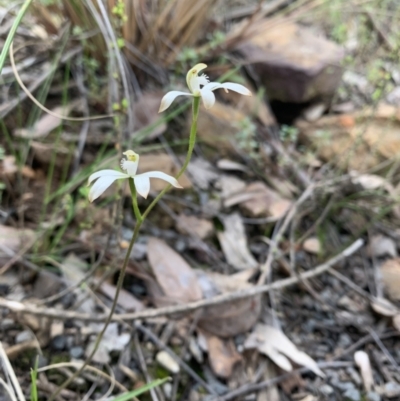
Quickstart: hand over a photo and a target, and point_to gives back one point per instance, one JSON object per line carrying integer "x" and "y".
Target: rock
{"x": 167, "y": 362}
{"x": 219, "y": 125}
{"x": 372, "y": 396}
{"x": 58, "y": 343}
{"x": 352, "y": 394}
{"x": 293, "y": 64}
{"x": 167, "y": 389}
{"x": 391, "y": 389}
{"x": 326, "y": 389}
{"x": 193, "y": 225}
{"x": 76, "y": 352}
{"x": 24, "y": 336}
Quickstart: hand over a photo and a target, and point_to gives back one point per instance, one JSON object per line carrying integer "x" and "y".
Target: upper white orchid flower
{"x": 194, "y": 81}
{"x": 142, "y": 181}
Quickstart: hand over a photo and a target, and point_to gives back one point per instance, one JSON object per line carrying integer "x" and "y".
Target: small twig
{"x": 252, "y": 388}
{"x": 181, "y": 363}
{"x": 275, "y": 241}
{"x": 171, "y": 310}
{"x": 11, "y": 374}
{"x": 383, "y": 348}
{"x": 38, "y": 104}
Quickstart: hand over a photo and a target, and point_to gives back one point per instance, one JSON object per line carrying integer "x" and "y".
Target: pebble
{"x": 372, "y": 396}
{"x": 76, "y": 352}
{"x": 59, "y": 342}
{"x": 6, "y": 324}
{"x": 24, "y": 336}
{"x": 391, "y": 389}
{"x": 352, "y": 394}
{"x": 195, "y": 350}
{"x": 326, "y": 389}
{"x": 167, "y": 362}
{"x": 167, "y": 389}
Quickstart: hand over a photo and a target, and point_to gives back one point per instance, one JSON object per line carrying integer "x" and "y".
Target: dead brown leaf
{"x": 259, "y": 200}
{"x": 45, "y": 124}
{"x": 383, "y": 307}
{"x": 126, "y": 300}
{"x": 356, "y": 141}
{"x": 361, "y": 359}
{"x": 235, "y": 317}
{"x": 145, "y": 111}
{"x": 12, "y": 240}
{"x": 379, "y": 246}
{"x": 202, "y": 228}
{"x": 234, "y": 243}
{"x": 222, "y": 355}
{"x": 312, "y": 245}
{"x": 173, "y": 274}
{"x": 274, "y": 344}
{"x": 390, "y": 272}
{"x": 8, "y": 168}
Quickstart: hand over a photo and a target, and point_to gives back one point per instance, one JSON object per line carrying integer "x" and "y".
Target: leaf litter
{"x": 248, "y": 173}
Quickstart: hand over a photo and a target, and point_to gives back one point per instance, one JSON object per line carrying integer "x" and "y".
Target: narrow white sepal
{"x": 208, "y": 98}
{"x": 167, "y": 100}
{"x": 101, "y": 185}
{"x": 142, "y": 185}
{"x": 236, "y": 88}
{"x": 162, "y": 176}
{"x": 108, "y": 173}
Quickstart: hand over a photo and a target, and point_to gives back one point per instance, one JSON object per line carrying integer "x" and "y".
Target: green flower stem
{"x": 136, "y": 210}
{"x": 13, "y": 30}
{"x": 192, "y": 142}
{"x": 139, "y": 220}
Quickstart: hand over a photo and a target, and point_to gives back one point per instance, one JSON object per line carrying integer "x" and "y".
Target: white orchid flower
{"x": 142, "y": 181}
{"x": 194, "y": 81}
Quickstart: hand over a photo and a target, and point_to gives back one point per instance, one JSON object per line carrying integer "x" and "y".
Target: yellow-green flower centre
{"x": 131, "y": 155}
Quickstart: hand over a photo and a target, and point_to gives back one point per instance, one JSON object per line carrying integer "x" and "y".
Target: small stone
{"x": 326, "y": 389}
{"x": 372, "y": 396}
{"x": 59, "y": 342}
{"x": 195, "y": 350}
{"x": 167, "y": 388}
{"x": 24, "y": 336}
{"x": 352, "y": 394}
{"x": 76, "y": 352}
{"x": 167, "y": 362}
{"x": 391, "y": 389}
{"x": 6, "y": 324}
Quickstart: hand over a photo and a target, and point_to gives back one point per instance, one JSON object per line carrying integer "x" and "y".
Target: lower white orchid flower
{"x": 194, "y": 81}
{"x": 142, "y": 181}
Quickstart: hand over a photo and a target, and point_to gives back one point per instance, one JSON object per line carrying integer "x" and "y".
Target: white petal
{"x": 162, "y": 176}
{"x": 142, "y": 185}
{"x": 106, "y": 173}
{"x": 101, "y": 185}
{"x": 169, "y": 98}
{"x": 192, "y": 78}
{"x": 208, "y": 98}
{"x": 236, "y": 88}
{"x": 211, "y": 86}
{"x": 130, "y": 166}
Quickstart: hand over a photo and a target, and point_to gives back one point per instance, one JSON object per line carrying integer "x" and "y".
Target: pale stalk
{"x": 139, "y": 220}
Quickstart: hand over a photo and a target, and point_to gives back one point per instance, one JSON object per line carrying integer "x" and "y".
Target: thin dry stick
{"x": 38, "y": 104}
{"x": 77, "y": 365}
{"x": 252, "y": 388}
{"x": 275, "y": 241}
{"x": 171, "y": 310}
{"x": 11, "y": 374}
